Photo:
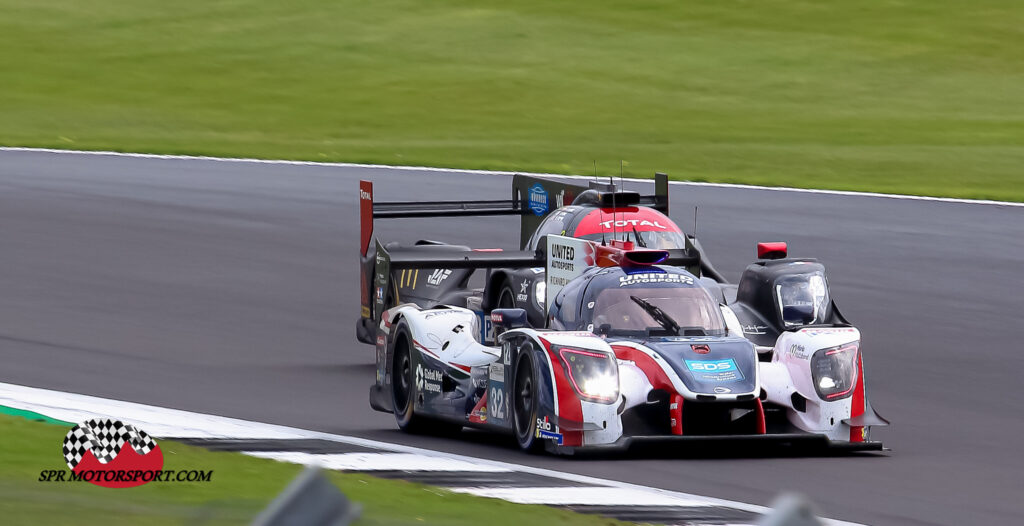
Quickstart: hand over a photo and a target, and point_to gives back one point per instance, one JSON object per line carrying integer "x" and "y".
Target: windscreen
{"x": 802, "y": 298}
{"x": 655, "y": 240}
{"x": 692, "y": 308}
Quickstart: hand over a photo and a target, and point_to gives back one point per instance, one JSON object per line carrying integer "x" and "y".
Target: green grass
{"x": 907, "y": 96}
{"x": 240, "y": 488}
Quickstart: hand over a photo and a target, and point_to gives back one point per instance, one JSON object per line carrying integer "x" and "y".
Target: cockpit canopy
{"x": 639, "y": 302}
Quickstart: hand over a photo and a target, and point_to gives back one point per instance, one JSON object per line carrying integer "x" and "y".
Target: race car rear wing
{"x": 533, "y": 198}
{"x": 539, "y": 197}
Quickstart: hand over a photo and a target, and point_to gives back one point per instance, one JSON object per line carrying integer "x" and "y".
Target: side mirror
{"x": 505, "y": 319}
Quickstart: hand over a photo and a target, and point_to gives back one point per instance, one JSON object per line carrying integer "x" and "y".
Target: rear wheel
{"x": 506, "y": 298}
{"x": 524, "y": 406}
{"x": 403, "y": 392}
{"x": 402, "y": 382}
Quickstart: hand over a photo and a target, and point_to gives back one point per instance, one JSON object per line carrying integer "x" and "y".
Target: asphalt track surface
{"x": 231, "y": 288}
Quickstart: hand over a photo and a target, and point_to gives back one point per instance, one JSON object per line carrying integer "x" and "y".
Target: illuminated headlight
{"x": 605, "y": 387}
{"x": 834, "y": 371}
{"x": 540, "y": 288}
{"x": 594, "y": 375}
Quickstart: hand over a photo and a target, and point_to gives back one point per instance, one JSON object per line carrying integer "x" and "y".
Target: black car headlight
{"x": 834, "y": 371}
{"x": 594, "y": 375}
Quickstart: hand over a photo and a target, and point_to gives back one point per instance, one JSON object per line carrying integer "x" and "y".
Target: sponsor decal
{"x": 496, "y": 372}
{"x": 723, "y": 390}
{"x": 479, "y": 416}
{"x": 436, "y": 313}
{"x": 380, "y": 293}
{"x": 438, "y": 276}
{"x": 563, "y": 198}
{"x": 714, "y": 370}
{"x": 538, "y": 200}
{"x": 364, "y": 195}
{"x": 827, "y": 330}
{"x": 428, "y": 379}
{"x": 567, "y": 259}
{"x": 798, "y": 351}
{"x": 523, "y": 288}
{"x": 497, "y": 317}
{"x": 700, "y": 348}
{"x": 563, "y": 251}
{"x": 537, "y": 270}
{"x": 755, "y": 329}
{"x": 544, "y": 431}
{"x": 651, "y": 277}
{"x": 380, "y": 257}
{"x": 113, "y": 454}
{"x": 486, "y": 329}
{"x": 622, "y": 223}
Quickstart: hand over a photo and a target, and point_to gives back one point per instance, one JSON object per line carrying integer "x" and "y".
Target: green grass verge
{"x": 240, "y": 488}
{"x": 906, "y": 96}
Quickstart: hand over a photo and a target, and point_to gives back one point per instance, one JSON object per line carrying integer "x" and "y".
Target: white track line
{"x": 583, "y": 496}
{"x": 377, "y": 461}
{"x": 164, "y": 422}
{"x": 506, "y": 173}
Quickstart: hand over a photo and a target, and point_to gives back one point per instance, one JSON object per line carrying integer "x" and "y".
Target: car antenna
{"x": 615, "y": 234}
{"x": 622, "y": 188}
{"x": 603, "y": 240}
{"x": 694, "y": 222}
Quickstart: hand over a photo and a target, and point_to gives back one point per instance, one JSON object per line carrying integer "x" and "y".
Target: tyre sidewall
{"x": 529, "y": 442}
{"x": 405, "y": 416}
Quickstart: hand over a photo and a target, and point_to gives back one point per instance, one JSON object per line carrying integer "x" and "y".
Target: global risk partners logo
{"x": 113, "y": 454}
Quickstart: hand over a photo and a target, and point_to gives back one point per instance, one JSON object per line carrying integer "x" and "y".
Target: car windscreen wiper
{"x": 659, "y": 315}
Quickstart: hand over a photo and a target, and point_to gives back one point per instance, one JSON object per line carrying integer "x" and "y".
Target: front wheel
{"x": 524, "y": 406}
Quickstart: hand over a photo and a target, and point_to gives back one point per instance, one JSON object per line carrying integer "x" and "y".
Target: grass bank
{"x": 905, "y": 96}
{"x": 239, "y": 489}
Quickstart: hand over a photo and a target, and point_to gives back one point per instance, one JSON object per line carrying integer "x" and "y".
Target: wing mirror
{"x": 505, "y": 319}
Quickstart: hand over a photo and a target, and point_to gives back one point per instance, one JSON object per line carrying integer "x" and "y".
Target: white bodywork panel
{"x": 790, "y": 372}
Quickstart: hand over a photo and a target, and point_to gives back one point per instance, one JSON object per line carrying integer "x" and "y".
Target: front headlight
{"x": 540, "y": 288}
{"x": 834, "y": 371}
{"x": 594, "y": 375}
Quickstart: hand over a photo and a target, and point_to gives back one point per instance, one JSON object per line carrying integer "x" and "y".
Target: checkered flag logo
{"x": 105, "y": 438}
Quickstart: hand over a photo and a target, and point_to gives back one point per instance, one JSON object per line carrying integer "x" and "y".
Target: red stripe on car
{"x": 659, "y": 380}
{"x": 857, "y": 432}
{"x": 569, "y": 406}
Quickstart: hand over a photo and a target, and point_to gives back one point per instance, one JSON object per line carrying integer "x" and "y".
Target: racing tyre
{"x": 403, "y": 392}
{"x": 506, "y": 298}
{"x": 402, "y": 382}
{"x": 524, "y": 406}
